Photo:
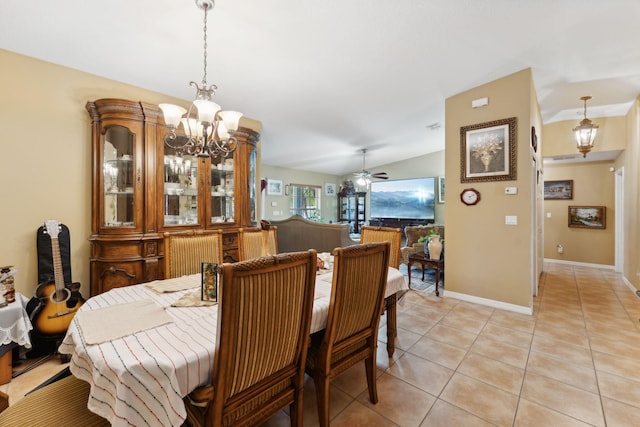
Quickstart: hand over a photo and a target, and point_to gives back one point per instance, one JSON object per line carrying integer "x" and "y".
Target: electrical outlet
{"x": 560, "y": 249}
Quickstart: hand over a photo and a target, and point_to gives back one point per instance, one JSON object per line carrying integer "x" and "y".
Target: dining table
{"x": 142, "y": 352}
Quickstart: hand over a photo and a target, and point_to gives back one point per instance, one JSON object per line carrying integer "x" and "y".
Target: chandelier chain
{"x": 204, "y": 76}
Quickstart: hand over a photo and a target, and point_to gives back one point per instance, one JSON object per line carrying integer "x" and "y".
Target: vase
{"x": 435, "y": 247}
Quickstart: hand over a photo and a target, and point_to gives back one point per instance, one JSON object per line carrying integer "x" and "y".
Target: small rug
{"x": 428, "y": 284}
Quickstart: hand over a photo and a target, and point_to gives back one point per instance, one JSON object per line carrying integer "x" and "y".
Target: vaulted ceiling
{"x": 328, "y": 78}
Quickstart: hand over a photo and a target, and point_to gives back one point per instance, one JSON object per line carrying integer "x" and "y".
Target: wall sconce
{"x": 585, "y": 132}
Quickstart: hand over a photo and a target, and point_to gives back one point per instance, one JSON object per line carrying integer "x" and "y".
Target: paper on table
{"x": 117, "y": 321}
{"x": 192, "y": 299}
{"x": 176, "y": 284}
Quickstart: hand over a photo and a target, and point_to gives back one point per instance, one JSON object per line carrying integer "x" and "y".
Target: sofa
{"x": 412, "y": 234}
{"x": 299, "y": 234}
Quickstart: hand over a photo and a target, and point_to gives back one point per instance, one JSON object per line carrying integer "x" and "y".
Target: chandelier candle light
{"x": 211, "y": 134}
{"x": 585, "y": 132}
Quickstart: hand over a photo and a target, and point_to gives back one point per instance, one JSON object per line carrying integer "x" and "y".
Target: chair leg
{"x": 296, "y": 411}
{"x": 322, "y": 398}
{"x": 370, "y": 367}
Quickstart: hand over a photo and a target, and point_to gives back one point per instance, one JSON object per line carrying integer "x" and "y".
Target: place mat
{"x": 175, "y": 285}
{"x": 192, "y": 299}
{"x": 122, "y": 320}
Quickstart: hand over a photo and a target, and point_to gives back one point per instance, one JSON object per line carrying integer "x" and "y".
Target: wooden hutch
{"x": 141, "y": 188}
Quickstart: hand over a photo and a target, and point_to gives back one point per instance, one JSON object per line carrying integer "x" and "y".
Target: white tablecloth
{"x": 141, "y": 379}
{"x": 14, "y": 323}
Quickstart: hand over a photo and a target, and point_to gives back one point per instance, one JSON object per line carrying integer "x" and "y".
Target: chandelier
{"x": 585, "y": 132}
{"x": 209, "y": 130}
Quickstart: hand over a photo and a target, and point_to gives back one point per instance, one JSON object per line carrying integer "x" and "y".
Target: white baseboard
{"x": 580, "y": 264}
{"x": 489, "y": 302}
{"x": 631, "y": 287}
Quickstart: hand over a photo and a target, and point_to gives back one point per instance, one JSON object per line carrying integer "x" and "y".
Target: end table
{"x": 425, "y": 261}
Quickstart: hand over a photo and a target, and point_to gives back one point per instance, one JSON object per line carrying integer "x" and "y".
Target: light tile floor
{"x": 575, "y": 362}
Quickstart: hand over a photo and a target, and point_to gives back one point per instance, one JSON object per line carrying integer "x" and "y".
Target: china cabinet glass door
{"x": 119, "y": 177}
{"x": 222, "y": 194}
{"x": 180, "y": 188}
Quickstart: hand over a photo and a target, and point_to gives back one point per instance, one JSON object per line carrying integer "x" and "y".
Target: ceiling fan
{"x": 364, "y": 176}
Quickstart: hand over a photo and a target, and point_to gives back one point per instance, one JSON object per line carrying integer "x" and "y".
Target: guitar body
{"x": 56, "y": 309}
{"x": 54, "y": 303}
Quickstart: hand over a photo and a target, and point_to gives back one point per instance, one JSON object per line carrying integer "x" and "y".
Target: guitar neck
{"x": 57, "y": 264}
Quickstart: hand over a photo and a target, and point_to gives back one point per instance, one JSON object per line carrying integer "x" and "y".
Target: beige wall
{"x": 46, "y": 158}
{"x": 485, "y": 257}
{"x": 593, "y": 185}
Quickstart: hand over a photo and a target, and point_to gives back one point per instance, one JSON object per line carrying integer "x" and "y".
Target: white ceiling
{"x": 328, "y": 78}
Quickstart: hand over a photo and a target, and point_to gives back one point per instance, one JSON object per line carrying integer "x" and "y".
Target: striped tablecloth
{"x": 142, "y": 378}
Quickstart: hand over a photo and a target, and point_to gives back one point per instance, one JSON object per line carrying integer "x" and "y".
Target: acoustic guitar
{"x": 58, "y": 302}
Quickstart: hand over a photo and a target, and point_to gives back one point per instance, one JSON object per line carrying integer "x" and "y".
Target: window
{"x": 304, "y": 200}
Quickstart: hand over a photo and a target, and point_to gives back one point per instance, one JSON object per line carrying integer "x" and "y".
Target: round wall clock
{"x": 470, "y": 196}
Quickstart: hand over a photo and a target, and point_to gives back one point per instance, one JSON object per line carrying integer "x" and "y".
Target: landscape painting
{"x": 558, "y": 190}
{"x": 587, "y": 217}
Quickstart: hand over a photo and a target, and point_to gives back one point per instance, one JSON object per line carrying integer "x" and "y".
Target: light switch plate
{"x": 511, "y": 220}
{"x": 511, "y": 190}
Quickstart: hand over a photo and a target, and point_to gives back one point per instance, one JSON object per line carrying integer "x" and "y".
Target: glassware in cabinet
{"x": 118, "y": 177}
{"x": 222, "y": 199}
{"x": 180, "y": 188}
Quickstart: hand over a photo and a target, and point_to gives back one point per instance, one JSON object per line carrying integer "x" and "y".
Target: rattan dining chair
{"x": 185, "y": 252}
{"x": 254, "y": 242}
{"x": 264, "y": 320}
{"x": 63, "y": 402}
{"x": 369, "y": 234}
{"x": 351, "y": 335}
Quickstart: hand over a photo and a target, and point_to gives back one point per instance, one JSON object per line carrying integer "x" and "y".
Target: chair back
{"x": 369, "y": 234}
{"x": 254, "y": 242}
{"x": 357, "y": 296}
{"x": 185, "y": 252}
{"x": 264, "y": 320}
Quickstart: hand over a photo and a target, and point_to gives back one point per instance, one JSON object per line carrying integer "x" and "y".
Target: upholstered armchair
{"x": 413, "y": 233}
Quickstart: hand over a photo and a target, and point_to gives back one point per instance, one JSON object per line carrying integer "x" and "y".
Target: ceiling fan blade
{"x": 380, "y": 175}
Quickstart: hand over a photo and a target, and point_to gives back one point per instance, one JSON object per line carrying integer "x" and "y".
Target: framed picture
{"x": 329, "y": 189}
{"x": 209, "y": 288}
{"x": 558, "y": 190}
{"x": 488, "y": 151}
{"x": 587, "y": 217}
{"x": 274, "y": 187}
{"x": 441, "y": 189}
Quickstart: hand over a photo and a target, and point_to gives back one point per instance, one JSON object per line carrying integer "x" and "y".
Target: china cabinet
{"x": 141, "y": 188}
{"x": 351, "y": 210}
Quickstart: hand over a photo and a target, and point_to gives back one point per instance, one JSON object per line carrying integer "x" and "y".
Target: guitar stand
{"x": 64, "y": 358}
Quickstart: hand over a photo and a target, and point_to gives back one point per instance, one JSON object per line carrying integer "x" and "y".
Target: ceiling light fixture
{"x": 585, "y": 132}
{"x": 210, "y": 132}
